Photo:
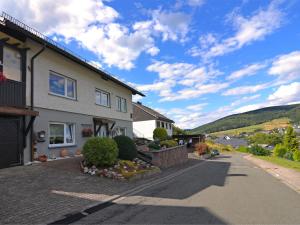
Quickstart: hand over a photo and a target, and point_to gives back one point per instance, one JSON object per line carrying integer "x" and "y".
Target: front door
{"x": 10, "y": 141}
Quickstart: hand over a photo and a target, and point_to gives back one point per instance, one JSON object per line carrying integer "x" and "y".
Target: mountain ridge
{"x": 249, "y": 118}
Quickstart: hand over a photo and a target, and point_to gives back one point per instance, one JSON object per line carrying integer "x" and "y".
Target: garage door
{"x": 10, "y": 142}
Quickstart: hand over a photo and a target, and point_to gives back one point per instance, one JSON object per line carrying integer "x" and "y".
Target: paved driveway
{"x": 227, "y": 190}
{"x": 45, "y": 192}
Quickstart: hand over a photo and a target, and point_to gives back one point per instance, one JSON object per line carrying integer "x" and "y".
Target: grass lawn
{"x": 281, "y": 162}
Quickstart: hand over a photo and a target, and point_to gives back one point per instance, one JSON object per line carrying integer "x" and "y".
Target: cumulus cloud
{"x": 247, "y": 30}
{"x": 242, "y": 90}
{"x": 248, "y": 70}
{"x": 284, "y": 95}
{"x": 193, "y": 80}
{"x": 172, "y": 26}
{"x": 92, "y": 24}
{"x": 286, "y": 67}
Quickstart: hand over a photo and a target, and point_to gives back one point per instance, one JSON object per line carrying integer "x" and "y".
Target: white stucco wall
{"x": 87, "y": 81}
{"x": 144, "y": 129}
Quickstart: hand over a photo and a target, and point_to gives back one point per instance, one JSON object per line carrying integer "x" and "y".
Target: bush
{"x": 296, "y": 155}
{"x": 126, "y": 146}
{"x": 242, "y": 149}
{"x": 100, "y": 151}
{"x": 168, "y": 143}
{"x": 288, "y": 155}
{"x": 154, "y": 145}
{"x": 160, "y": 134}
{"x": 201, "y": 148}
{"x": 279, "y": 150}
{"x": 257, "y": 150}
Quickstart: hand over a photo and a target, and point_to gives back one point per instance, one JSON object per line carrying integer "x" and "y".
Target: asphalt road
{"x": 226, "y": 190}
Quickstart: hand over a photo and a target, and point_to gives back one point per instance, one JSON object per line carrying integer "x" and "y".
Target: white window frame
{"x": 65, "y": 86}
{"x": 102, "y": 92}
{"x": 118, "y": 98}
{"x": 65, "y": 135}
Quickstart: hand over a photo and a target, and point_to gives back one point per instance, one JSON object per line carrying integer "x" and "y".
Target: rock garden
{"x": 114, "y": 158}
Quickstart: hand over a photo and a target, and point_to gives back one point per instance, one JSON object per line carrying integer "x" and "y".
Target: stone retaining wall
{"x": 165, "y": 158}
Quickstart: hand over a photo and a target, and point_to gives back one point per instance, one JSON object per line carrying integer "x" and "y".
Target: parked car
{"x": 215, "y": 152}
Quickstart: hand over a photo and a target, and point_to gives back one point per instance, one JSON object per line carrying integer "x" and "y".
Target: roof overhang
{"x": 17, "y": 111}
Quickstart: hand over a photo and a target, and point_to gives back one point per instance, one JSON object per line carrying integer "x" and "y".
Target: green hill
{"x": 250, "y": 118}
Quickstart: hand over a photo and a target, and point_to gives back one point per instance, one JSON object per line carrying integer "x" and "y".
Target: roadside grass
{"x": 220, "y": 147}
{"x": 276, "y": 123}
{"x": 281, "y": 162}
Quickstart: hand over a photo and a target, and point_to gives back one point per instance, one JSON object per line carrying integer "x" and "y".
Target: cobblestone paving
{"x": 44, "y": 192}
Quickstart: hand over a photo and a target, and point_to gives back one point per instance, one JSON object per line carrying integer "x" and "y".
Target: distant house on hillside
{"x": 234, "y": 142}
{"x": 145, "y": 120}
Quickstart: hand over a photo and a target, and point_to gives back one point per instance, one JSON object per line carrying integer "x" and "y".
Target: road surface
{"x": 226, "y": 190}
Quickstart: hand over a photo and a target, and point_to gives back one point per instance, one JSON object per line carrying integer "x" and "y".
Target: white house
{"x": 50, "y": 97}
{"x": 145, "y": 120}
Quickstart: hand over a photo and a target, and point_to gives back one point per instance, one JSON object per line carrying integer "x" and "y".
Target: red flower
{"x": 2, "y": 77}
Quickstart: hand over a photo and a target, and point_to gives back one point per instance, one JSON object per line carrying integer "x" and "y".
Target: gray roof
{"x": 143, "y": 113}
{"x": 234, "y": 142}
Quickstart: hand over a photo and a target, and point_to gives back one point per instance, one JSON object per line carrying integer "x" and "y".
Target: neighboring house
{"x": 234, "y": 142}
{"x": 145, "y": 120}
{"x": 51, "y": 96}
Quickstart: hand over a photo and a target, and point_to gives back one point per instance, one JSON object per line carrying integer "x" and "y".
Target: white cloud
{"x": 254, "y": 28}
{"x": 242, "y": 90}
{"x": 92, "y": 24}
{"x": 172, "y": 26}
{"x": 286, "y": 67}
{"x": 196, "y": 107}
{"x": 197, "y": 80}
{"x": 284, "y": 95}
{"x": 195, "y": 92}
{"x": 246, "y": 71}
{"x": 195, "y": 2}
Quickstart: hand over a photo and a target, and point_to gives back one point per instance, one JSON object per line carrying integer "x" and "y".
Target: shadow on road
{"x": 153, "y": 214}
{"x": 210, "y": 173}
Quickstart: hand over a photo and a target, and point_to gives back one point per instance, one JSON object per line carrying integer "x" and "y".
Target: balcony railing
{"x": 12, "y": 93}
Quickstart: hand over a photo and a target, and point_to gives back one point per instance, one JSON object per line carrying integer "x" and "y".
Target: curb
{"x": 279, "y": 177}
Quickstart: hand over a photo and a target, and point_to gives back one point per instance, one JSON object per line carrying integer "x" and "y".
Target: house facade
{"x": 145, "y": 120}
{"x": 52, "y": 99}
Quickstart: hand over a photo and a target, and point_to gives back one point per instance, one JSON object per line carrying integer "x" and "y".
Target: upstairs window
{"x": 62, "y": 86}
{"x": 12, "y": 63}
{"x": 121, "y": 104}
{"x": 102, "y": 98}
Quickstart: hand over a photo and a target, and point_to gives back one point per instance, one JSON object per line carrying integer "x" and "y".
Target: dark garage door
{"x": 10, "y": 142}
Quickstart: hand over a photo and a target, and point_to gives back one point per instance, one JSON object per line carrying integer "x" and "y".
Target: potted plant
{"x": 64, "y": 152}
{"x": 87, "y": 132}
{"x": 42, "y": 158}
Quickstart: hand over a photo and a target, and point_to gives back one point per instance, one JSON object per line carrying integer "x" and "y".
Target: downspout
{"x": 32, "y": 94}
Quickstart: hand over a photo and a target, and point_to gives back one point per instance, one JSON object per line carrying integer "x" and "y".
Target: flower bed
{"x": 122, "y": 170}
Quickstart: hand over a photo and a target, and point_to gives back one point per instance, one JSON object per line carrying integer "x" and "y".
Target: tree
{"x": 178, "y": 131}
{"x": 160, "y": 134}
{"x": 290, "y": 140}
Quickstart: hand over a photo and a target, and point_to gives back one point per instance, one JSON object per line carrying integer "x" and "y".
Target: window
{"x": 157, "y": 124}
{"x": 121, "y": 104}
{"x": 63, "y": 86}
{"x": 61, "y": 134}
{"x": 102, "y": 98}
{"x": 162, "y": 125}
{"x": 12, "y": 64}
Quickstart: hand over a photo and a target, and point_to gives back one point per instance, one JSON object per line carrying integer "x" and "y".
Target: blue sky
{"x": 196, "y": 60}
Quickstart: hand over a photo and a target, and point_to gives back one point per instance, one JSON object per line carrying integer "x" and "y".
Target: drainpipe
{"x": 32, "y": 94}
